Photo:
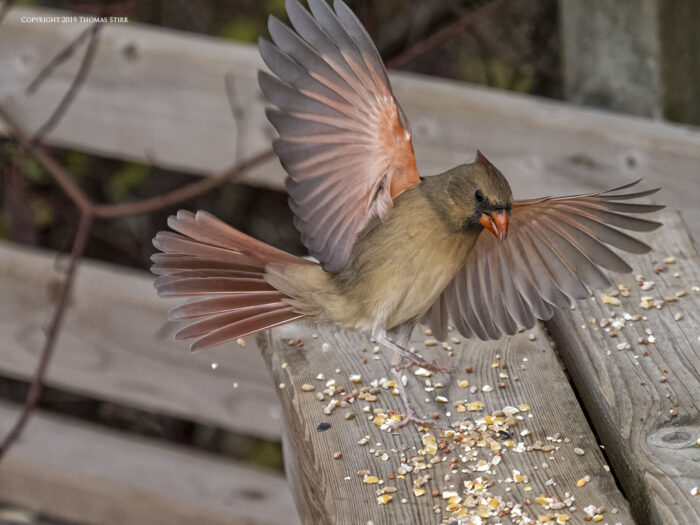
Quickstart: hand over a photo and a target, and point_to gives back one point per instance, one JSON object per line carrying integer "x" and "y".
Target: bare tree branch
{"x": 443, "y": 35}
{"x": 5, "y": 9}
{"x": 184, "y": 193}
{"x": 75, "y": 86}
{"x": 56, "y": 61}
{"x": 62, "y": 177}
{"x": 36, "y": 386}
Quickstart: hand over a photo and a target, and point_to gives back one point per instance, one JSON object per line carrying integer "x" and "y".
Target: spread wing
{"x": 556, "y": 248}
{"x": 344, "y": 141}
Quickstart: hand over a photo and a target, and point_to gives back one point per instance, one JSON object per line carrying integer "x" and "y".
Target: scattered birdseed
{"x": 581, "y": 482}
{"x": 611, "y": 300}
{"x": 579, "y": 451}
{"x": 662, "y": 379}
{"x": 694, "y": 491}
{"x": 531, "y": 336}
{"x": 241, "y": 342}
{"x": 383, "y": 499}
{"x": 422, "y": 372}
{"x": 337, "y": 455}
{"x": 370, "y": 480}
{"x": 281, "y": 386}
{"x": 678, "y": 316}
{"x": 235, "y": 385}
{"x": 307, "y": 387}
{"x": 322, "y": 427}
{"x": 214, "y": 366}
{"x": 647, "y": 285}
{"x": 670, "y": 260}
{"x": 463, "y": 383}
{"x": 486, "y": 388}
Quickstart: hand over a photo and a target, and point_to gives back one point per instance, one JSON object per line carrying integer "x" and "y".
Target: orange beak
{"x": 496, "y": 222}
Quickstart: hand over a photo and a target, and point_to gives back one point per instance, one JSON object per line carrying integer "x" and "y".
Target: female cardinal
{"x": 393, "y": 247}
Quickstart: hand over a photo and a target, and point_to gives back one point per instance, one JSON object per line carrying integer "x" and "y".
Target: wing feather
{"x": 556, "y": 250}
{"x": 344, "y": 141}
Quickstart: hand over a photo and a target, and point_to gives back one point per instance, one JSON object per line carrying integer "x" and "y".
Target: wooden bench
{"x": 526, "y": 432}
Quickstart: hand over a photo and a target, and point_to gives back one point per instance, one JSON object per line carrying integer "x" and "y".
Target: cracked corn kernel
{"x": 383, "y": 499}
{"x": 370, "y": 480}
{"x": 581, "y": 482}
{"x": 418, "y": 491}
{"x": 307, "y": 387}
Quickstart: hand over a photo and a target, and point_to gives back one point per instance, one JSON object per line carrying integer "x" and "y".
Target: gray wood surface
{"x": 85, "y": 474}
{"x": 329, "y": 490}
{"x": 631, "y": 398}
{"x": 115, "y": 346}
{"x": 125, "y": 111}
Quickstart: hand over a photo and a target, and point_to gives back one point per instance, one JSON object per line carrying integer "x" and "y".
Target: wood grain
{"x": 323, "y": 493}
{"x": 74, "y": 471}
{"x": 124, "y": 111}
{"x": 631, "y": 397}
{"x": 116, "y": 346}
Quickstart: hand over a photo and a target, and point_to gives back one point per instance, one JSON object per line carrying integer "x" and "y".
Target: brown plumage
{"x": 393, "y": 248}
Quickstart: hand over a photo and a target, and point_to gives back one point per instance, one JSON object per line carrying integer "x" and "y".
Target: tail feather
{"x": 225, "y": 270}
{"x": 219, "y": 305}
{"x": 245, "y": 327}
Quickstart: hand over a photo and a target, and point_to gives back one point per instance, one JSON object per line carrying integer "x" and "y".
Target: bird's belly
{"x": 411, "y": 296}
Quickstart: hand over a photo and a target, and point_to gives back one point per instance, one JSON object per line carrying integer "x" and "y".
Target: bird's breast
{"x": 400, "y": 267}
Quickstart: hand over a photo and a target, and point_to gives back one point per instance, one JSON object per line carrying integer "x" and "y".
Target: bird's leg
{"x": 407, "y": 359}
{"x": 410, "y": 416}
{"x": 401, "y": 357}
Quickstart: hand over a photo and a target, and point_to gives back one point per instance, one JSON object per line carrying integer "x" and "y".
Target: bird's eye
{"x": 478, "y": 195}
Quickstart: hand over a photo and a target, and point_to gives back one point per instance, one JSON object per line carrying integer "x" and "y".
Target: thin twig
{"x": 36, "y": 386}
{"x": 5, "y": 9}
{"x": 65, "y": 181}
{"x": 184, "y": 193}
{"x": 76, "y": 194}
{"x": 56, "y": 61}
{"x": 443, "y": 35}
{"x": 76, "y": 84}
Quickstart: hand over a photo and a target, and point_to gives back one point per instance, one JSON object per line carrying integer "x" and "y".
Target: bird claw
{"x": 409, "y": 361}
{"x": 411, "y": 417}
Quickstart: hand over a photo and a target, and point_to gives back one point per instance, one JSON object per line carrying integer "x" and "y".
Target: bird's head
{"x": 480, "y": 197}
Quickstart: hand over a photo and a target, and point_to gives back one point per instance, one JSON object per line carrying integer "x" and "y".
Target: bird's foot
{"x": 410, "y": 359}
{"x": 411, "y": 417}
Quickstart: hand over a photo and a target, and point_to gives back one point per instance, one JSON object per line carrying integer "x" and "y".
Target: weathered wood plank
{"x": 78, "y": 472}
{"x": 331, "y": 491}
{"x": 631, "y": 394}
{"x": 115, "y": 346}
{"x": 636, "y": 56}
{"x": 124, "y": 111}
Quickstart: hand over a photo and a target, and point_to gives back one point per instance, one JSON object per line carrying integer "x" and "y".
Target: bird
{"x": 389, "y": 248}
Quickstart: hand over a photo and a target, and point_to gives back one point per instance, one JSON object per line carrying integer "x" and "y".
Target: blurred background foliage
{"x": 516, "y": 47}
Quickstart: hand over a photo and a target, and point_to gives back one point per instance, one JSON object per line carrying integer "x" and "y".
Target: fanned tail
{"x": 225, "y": 270}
